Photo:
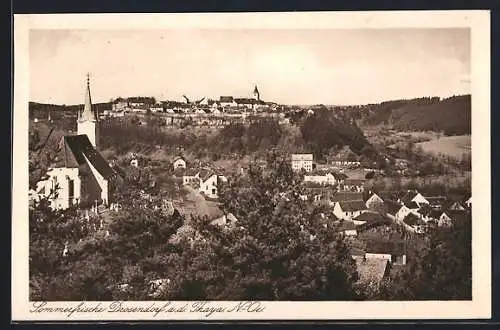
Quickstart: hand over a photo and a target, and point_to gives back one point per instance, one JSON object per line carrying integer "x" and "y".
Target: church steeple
{"x": 87, "y": 113}
{"x": 256, "y": 94}
{"x": 87, "y": 121}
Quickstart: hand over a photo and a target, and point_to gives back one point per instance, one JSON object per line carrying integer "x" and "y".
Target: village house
{"x": 396, "y": 211}
{"x": 120, "y": 104}
{"x": 413, "y": 223}
{"x": 209, "y": 183}
{"x": 414, "y": 196}
{"x": 373, "y": 201}
{"x": 347, "y": 210}
{"x": 395, "y": 253}
{"x": 81, "y": 175}
{"x": 328, "y": 178}
{"x": 450, "y": 216}
{"x": 428, "y": 213}
{"x": 348, "y": 228}
{"x": 453, "y": 205}
{"x": 191, "y": 177}
{"x": 368, "y": 217}
{"x": 179, "y": 162}
{"x": 302, "y": 161}
{"x": 227, "y": 101}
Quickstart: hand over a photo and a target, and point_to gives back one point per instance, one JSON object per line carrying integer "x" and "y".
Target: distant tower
{"x": 256, "y": 94}
{"x": 88, "y": 119}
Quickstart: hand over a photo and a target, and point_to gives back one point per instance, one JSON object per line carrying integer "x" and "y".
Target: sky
{"x": 307, "y": 66}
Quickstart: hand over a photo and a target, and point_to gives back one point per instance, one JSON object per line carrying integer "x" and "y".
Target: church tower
{"x": 88, "y": 119}
{"x": 256, "y": 94}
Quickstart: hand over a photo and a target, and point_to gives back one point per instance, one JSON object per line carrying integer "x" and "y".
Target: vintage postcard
{"x": 252, "y": 166}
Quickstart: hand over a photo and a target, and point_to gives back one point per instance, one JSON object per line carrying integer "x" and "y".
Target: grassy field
{"x": 454, "y": 146}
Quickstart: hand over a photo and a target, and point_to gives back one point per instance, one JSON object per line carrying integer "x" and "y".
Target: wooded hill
{"x": 451, "y": 115}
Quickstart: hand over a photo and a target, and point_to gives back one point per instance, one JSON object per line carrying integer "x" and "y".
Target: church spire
{"x": 87, "y": 113}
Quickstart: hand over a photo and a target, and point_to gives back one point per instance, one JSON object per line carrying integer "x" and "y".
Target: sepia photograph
{"x": 231, "y": 164}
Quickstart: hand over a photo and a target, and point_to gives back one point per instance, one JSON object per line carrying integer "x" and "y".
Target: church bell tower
{"x": 88, "y": 120}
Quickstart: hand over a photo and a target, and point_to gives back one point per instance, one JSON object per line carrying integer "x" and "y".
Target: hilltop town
{"x": 165, "y": 183}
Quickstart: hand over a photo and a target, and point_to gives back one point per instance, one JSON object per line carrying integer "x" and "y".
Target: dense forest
{"x": 451, "y": 115}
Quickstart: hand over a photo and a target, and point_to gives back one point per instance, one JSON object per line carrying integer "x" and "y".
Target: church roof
{"x": 77, "y": 148}
{"x": 255, "y": 90}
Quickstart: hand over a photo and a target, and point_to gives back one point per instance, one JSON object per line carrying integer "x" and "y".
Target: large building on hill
{"x": 81, "y": 174}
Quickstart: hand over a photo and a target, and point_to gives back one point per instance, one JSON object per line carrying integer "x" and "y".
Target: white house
{"x": 209, "y": 184}
{"x": 396, "y": 211}
{"x": 348, "y": 228}
{"x": 179, "y": 162}
{"x": 227, "y": 101}
{"x": 81, "y": 175}
{"x": 325, "y": 179}
{"x": 374, "y": 201}
{"x": 347, "y": 210}
{"x": 414, "y": 196}
{"x": 302, "y": 161}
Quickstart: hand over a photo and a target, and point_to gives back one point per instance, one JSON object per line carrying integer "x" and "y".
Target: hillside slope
{"x": 451, "y": 116}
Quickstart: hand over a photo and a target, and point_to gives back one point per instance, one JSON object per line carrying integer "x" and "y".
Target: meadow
{"x": 454, "y": 146}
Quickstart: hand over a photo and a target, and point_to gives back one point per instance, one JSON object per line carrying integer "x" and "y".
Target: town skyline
{"x": 358, "y": 67}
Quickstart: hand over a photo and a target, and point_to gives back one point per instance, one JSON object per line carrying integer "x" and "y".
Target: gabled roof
{"x": 351, "y": 206}
{"x": 392, "y": 207}
{"x": 226, "y": 99}
{"x": 190, "y": 172}
{"x": 388, "y": 195}
{"x": 369, "y": 217}
{"x": 385, "y": 247}
{"x": 179, "y": 157}
{"x": 457, "y": 215}
{"x": 410, "y": 194}
{"x": 77, "y": 148}
{"x": 354, "y": 181}
{"x": 302, "y": 157}
{"x": 346, "y": 196}
{"x": 433, "y": 200}
{"x": 245, "y": 101}
{"x": 411, "y": 205}
{"x": 206, "y": 174}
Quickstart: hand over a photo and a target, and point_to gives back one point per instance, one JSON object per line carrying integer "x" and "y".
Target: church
{"x": 82, "y": 176}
